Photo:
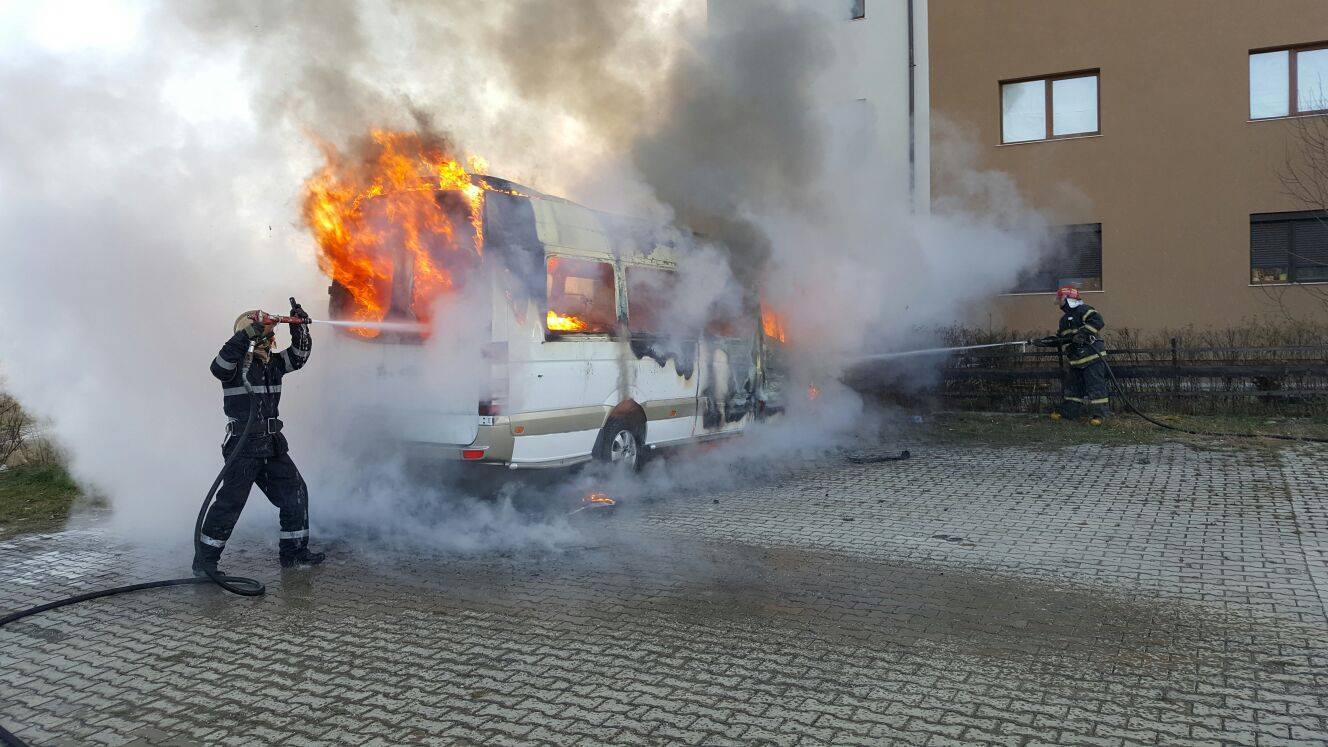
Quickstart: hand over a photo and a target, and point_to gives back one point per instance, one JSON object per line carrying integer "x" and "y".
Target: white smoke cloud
{"x": 131, "y": 238}
{"x": 150, "y": 173}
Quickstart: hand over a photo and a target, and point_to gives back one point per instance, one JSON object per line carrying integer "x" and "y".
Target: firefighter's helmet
{"x": 1067, "y": 292}
{"x": 269, "y": 330}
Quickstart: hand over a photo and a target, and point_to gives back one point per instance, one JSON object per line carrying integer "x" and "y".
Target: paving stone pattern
{"x": 1091, "y": 596}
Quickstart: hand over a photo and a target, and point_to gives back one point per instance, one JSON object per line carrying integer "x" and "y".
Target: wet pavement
{"x": 1087, "y": 595}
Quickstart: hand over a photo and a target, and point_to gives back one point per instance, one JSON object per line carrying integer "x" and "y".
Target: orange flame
{"x": 772, "y": 324}
{"x": 364, "y": 212}
{"x": 599, "y": 498}
{"x": 558, "y": 323}
{"x": 813, "y": 391}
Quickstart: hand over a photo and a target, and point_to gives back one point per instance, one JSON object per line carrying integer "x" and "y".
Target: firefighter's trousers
{"x": 1086, "y": 391}
{"x": 280, "y": 481}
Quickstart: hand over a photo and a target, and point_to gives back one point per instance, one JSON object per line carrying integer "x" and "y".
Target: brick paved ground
{"x": 1164, "y": 596}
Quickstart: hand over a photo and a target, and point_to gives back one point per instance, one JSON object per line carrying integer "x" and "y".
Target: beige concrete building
{"x": 882, "y": 73}
{"x": 1157, "y": 131}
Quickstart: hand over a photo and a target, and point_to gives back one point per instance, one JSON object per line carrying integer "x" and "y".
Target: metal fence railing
{"x": 1246, "y": 380}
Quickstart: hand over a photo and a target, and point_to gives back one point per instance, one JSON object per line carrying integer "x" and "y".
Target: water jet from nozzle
{"x": 382, "y": 326}
{"x": 934, "y": 351}
{"x": 266, "y": 318}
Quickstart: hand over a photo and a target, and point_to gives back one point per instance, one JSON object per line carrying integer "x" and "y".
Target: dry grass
{"x": 1250, "y": 334}
{"x": 34, "y": 499}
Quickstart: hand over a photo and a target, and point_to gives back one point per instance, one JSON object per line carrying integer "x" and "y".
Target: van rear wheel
{"x": 621, "y": 443}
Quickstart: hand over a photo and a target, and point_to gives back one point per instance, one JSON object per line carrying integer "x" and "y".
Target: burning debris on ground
{"x": 596, "y": 503}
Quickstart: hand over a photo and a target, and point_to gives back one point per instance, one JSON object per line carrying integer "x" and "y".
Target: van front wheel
{"x": 620, "y": 444}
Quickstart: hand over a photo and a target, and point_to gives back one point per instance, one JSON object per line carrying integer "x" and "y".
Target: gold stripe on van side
{"x": 559, "y": 421}
{"x": 663, "y": 409}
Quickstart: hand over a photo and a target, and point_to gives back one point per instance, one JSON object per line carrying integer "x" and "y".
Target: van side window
{"x": 581, "y": 296}
{"x": 650, "y": 292}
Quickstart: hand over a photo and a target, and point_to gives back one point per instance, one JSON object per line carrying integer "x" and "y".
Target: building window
{"x": 859, "y": 9}
{"x": 1049, "y": 107}
{"x": 1289, "y": 248}
{"x": 1289, "y": 82}
{"x": 1074, "y": 257}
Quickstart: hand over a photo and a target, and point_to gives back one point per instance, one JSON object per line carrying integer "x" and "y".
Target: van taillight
{"x": 491, "y": 407}
{"x": 472, "y": 453}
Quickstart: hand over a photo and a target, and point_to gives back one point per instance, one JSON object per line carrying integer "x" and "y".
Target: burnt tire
{"x": 622, "y": 442}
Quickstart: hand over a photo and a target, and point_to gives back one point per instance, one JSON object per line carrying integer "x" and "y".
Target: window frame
{"x": 628, "y": 267}
{"x": 1288, "y": 217}
{"x": 858, "y": 11}
{"x": 1048, "y": 103}
{"x": 1293, "y": 97}
{"x": 611, "y": 333}
{"x": 1101, "y": 263}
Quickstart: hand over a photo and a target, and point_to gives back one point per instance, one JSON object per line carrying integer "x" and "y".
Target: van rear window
{"x": 403, "y": 258}
{"x": 581, "y": 296}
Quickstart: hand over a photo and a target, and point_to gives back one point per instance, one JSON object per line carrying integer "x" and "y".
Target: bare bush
{"x": 1304, "y": 173}
{"x": 41, "y": 452}
{"x": 958, "y": 334}
{"x": 14, "y": 424}
{"x": 1304, "y": 178}
{"x": 1248, "y": 334}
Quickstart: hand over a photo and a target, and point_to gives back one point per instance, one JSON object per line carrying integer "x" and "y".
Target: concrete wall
{"x": 1178, "y": 167}
{"x": 873, "y": 69}
{"x": 866, "y": 92}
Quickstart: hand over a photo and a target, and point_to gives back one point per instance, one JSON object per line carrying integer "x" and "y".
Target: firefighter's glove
{"x": 255, "y": 331}
{"x": 1047, "y": 342}
{"x": 298, "y": 310}
{"x": 1083, "y": 339}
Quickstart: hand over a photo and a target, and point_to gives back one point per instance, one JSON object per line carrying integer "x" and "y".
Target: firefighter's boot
{"x": 301, "y": 558}
{"x": 205, "y": 559}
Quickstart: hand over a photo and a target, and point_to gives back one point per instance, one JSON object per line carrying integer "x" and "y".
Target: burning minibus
{"x": 582, "y": 357}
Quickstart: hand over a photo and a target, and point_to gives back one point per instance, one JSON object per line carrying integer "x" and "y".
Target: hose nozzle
{"x": 265, "y": 318}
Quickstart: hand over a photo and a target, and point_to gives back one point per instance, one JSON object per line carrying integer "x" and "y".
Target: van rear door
{"x": 427, "y": 395}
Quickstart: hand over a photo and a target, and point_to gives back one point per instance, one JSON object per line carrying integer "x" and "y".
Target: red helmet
{"x": 1068, "y": 291}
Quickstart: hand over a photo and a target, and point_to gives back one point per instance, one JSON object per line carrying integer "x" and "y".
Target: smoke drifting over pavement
{"x": 150, "y": 191}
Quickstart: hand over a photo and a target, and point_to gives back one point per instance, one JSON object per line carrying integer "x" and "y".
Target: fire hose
{"x": 246, "y": 587}
{"x": 241, "y": 585}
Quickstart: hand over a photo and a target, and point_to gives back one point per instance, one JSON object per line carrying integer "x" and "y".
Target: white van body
{"x": 552, "y": 396}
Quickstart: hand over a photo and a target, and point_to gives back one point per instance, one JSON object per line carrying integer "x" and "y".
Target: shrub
{"x": 14, "y": 425}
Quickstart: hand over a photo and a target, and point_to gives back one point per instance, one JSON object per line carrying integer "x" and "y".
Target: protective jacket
{"x": 1081, "y": 328}
{"x": 264, "y": 386}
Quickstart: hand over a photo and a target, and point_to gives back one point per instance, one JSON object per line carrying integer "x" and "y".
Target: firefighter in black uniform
{"x": 265, "y": 459}
{"x": 1080, "y": 336}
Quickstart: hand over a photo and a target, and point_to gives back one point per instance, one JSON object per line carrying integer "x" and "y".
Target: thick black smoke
{"x": 740, "y": 134}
